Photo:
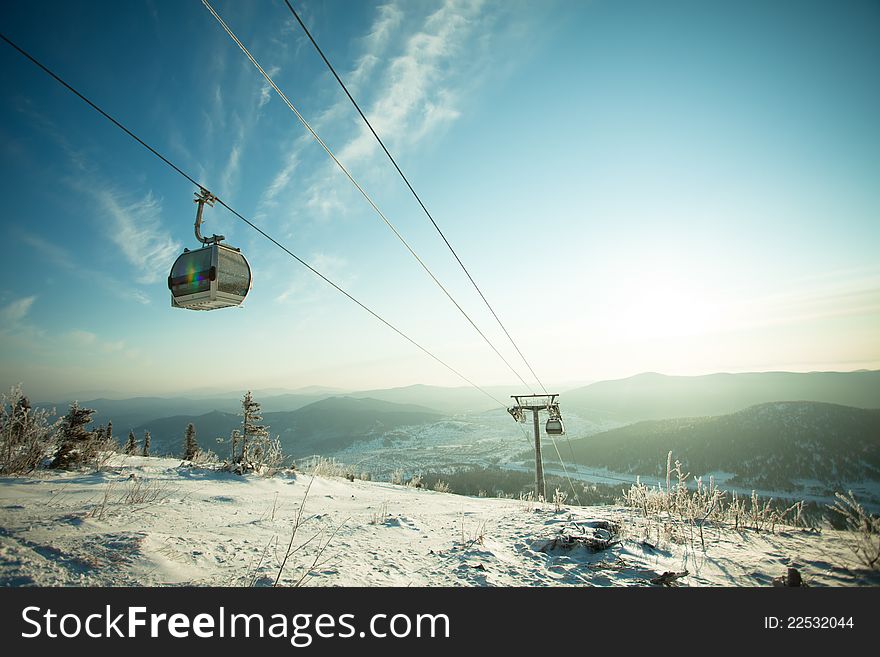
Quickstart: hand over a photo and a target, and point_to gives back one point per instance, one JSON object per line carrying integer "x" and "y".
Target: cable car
{"x": 555, "y": 427}
{"x": 214, "y": 276}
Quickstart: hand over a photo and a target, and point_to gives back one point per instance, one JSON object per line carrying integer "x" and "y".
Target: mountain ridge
{"x": 321, "y": 426}
{"x": 767, "y": 445}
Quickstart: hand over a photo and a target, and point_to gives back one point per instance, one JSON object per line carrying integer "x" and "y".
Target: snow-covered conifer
{"x": 77, "y": 442}
{"x": 130, "y": 444}
{"x": 190, "y": 446}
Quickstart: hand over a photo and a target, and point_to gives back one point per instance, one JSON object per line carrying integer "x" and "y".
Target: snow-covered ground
{"x": 212, "y": 528}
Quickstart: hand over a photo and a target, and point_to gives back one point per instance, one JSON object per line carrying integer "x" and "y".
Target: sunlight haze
{"x": 680, "y": 187}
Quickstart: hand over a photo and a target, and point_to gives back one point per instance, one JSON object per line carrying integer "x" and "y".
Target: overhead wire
{"x": 425, "y": 210}
{"x": 430, "y": 217}
{"x": 237, "y": 214}
{"x": 358, "y": 186}
{"x": 564, "y": 468}
{"x": 414, "y": 193}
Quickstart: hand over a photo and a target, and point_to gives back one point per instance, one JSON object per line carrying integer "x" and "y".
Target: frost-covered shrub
{"x": 865, "y": 528}
{"x": 324, "y": 467}
{"x": 681, "y": 511}
{"x": 263, "y": 456}
{"x": 204, "y": 457}
{"x": 559, "y": 497}
{"x": 144, "y": 491}
{"x": 27, "y": 435}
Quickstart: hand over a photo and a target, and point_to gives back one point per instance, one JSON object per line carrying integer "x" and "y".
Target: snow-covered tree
{"x": 252, "y": 448}
{"x": 190, "y": 446}
{"x": 102, "y": 445}
{"x": 78, "y": 444}
{"x": 108, "y": 436}
{"x": 146, "y": 451}
{"x": 250, "y": 427}
{"x": 21, "y": 412}
{"x": 234, "y": 439}
{"x": 130, "y": 444}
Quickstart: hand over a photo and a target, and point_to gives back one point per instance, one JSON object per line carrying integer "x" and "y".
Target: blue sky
{"x": 684, "y": 187}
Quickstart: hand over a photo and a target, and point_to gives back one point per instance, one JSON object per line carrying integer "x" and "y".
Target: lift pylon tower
{"x": 536, "y": 404}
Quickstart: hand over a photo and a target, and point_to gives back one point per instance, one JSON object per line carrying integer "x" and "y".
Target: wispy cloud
{"x": 136, "y": 229}
{"x": 18, "y": 334}
{"x": 419, "y": 92}
{"x": 59, "y": 257}
{"x": 415, "y": 86}
{"x": 82, "y": 338}
{"x": 324, "y": 202}
{"x": 135, "y": 222}
{"x": 229, "y": 176}
{"x": 281, "y": 179}
{"x": 388, "y": 19}
{"x": 91, "y": 341}
{"x": 837, "y": 294}
{"x": 50, "y": 251}
{"x": 15, "y": 312}
{"x": 305, "y": 288}
{"x": 265, "y": 89}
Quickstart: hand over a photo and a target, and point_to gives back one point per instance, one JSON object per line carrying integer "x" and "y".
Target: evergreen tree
{"x": 130, "y": 444}
{"x": 250, "y": 429}
{"x": 108, "y": 436}
{"x": 234, "y": 439}
{"x": 190, "y": 446}
{"x": 77, "y": 442}
{"x": 146, "y": 443}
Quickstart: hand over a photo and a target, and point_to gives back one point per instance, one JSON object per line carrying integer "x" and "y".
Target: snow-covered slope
{"x": 205, "y": 527}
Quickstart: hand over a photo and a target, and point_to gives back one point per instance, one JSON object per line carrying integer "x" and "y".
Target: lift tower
{"x": 536, "y": 404}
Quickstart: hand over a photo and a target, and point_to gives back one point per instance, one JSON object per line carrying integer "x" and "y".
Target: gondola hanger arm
{"x": 203, "y": 196}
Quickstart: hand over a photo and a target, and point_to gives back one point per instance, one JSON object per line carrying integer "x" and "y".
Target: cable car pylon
{"x": 554, "y": 427}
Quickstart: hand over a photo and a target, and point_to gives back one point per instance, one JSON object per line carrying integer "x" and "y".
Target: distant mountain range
{"x": 641, "y": 397}
{"x": 130, "y": 413}
{"x": 319, "y": 420}
{"x": 321, "y": 427}
{"x": 657, "y": 396}
{"x": 766, "y": 446}
{"x": 127, "y": 414}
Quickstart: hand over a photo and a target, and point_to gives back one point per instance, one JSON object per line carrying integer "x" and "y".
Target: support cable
{"x": 413, "y": 191}
{"x": 360, "y": 189}
{"x": 192, "y": 180}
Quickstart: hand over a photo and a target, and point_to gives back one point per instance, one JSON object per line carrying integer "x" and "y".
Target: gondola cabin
{"x": 555, "y": 427}
{"x": 215, "y": 276}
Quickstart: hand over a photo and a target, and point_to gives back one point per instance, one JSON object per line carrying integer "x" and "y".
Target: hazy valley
{"x": 784, "y": 433}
